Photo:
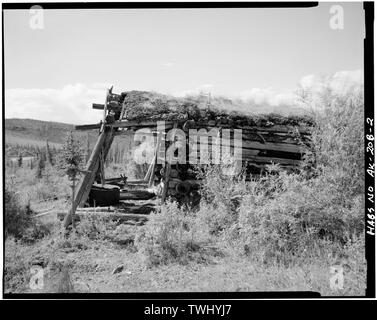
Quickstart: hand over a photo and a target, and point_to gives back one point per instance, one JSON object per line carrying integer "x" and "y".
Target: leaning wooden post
{"x": 168, "y": 162}
{"x": 73, "y": 209}
{"x": 87, "y": 180}
{"x": 87, "y": 153}
{"x": 153, "y": 167}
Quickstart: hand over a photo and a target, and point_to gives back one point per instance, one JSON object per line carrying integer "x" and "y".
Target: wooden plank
{"x": 128, "y": 132}
{"x": 102, "y": 167}
{"x": 250, "y": 156}
{"x": 105, "y": 110}
{"x": 129, "y": 182}
{"x": 125, "y": 124}
{"x": 152, "y": 174}
{"x": 168, "y": 168}
{"x": 84, "y": 127}
{"x": 135, "y": 182}
{"x": 98, "y": 106}
{"x": 275, "y": 128}
{"x": 136, "y": 195}
{"x": 247, "y": 144}
{"x": 108, "y": 215}
{"x": 111, "y": 106}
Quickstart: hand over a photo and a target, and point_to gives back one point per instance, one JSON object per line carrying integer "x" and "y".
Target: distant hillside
{"x": 33, "y": 133}
{"x": 29, "y": 131}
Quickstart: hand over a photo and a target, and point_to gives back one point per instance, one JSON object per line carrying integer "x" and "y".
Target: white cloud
{"x": 168, "y": 64}
{"x": 340, "y": 82}
{"x": 346, "y": 80}
{"x": 266, "y": 96}
{"x": 71, "y": 104}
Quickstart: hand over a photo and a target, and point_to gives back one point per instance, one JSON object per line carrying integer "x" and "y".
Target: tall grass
{"x": 173, "y": 234}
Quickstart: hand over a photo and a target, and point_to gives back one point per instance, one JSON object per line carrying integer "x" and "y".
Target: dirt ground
{"x": 102, "y": 267}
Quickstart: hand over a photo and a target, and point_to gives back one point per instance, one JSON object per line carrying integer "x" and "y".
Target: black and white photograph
{"x": 185, "y": 149}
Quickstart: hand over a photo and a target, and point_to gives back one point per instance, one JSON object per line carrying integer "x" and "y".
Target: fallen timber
{"x": 265, "y": 139}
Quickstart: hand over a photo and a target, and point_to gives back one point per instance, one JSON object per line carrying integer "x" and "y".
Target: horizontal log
{"x": 98, "y": 106}
{"x": 84, "y": 127}
{"x": 275, "y": 128}
{"x": 247, "y": 144}
{"x": 136, "y": 195}
{"x": 112, "y": 105}
{"x": 124, "y": 124}
{"x": 132, "y": 133}
{"x": 250, "y": 156}
{"x": 106, "y": 215}
{"x": 129, "y": 182}
{"x": 134, "y": 209}
{"x": 191, "y": 181}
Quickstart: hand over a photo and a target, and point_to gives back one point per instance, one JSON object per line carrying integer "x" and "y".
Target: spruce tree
{"x": 48, "y": 154}
{"x": 70, "y": 162}
{"x": 19, "y": 160}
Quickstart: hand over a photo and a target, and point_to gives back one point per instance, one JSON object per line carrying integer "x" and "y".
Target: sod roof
{"x": 143, "y": 105}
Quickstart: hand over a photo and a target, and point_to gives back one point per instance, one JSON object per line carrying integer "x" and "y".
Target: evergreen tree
{"x": 70, "y": 163}
{"x": 48, "y": 154}
{"x": 40, "y": 167}
{"x": 19, "y": 160}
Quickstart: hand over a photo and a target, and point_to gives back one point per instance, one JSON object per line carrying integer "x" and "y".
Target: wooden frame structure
{"x": 272, "y": 143}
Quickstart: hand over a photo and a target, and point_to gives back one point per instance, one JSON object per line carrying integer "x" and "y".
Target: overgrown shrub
{"x": 16, "y": 267}
{"x": 298, "y": 217}
{"x": 284, "y": 217}
{"x": 220, "y": 196}
{"x": 96, "y": 227}
{"x": 20, "y": 222}
{"x": 337, "y": 138}
{"x": 17, "y": 218}
{"x": 173, "y": 234}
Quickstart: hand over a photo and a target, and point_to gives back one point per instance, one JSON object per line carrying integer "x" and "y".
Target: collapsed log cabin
{"x": 182, "y": 133}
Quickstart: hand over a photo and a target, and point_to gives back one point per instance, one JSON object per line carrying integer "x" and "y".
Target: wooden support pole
{"x": 102, "y": 167}
{"x": 159, "y": 139}
{"x": 168, "y": 168}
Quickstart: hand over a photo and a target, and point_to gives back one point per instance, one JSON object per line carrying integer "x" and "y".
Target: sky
{"x": 57, "y": 72}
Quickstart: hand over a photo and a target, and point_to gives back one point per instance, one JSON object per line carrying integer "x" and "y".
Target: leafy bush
{"x": 96, "y": 227}
{"x": 172, "y": 234}
{"x": 337, "y": 139}
{"x": 17, "y": 218}
{"x": 284, "y": 217}
{"x": 296, "y": 218}
{"x": 16, "y": 267}
{"x": 220, "y": 196}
